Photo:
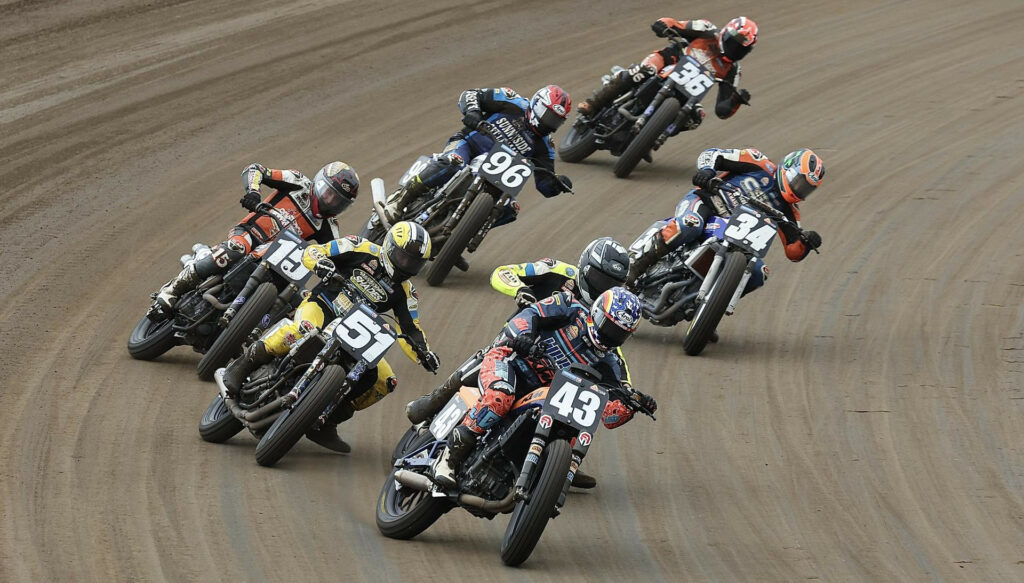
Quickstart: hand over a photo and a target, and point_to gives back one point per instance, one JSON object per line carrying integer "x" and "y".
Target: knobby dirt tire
{"x": 229, "y": 344}
{"x": 289, "y": 428}
{"x": 469, "y": 226}
{"x": 396, "y": 522}
{"x": 149, "y": 340}
{"x": 707, "y": 318}
{"x": 532, "y": 515}
{"x": 218, "y": 424}
{"x": 644, "y": 140}
{"x": 577, "y": 145}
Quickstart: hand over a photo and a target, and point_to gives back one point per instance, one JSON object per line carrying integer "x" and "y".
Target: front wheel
{"x": 577, "y": 144}
{"x": 150, "y": 339}
{"x": 229, "y": 343}
{"x": 644, "y": 140}
{"x": 710, "y": 313}
{"x": 404, "y": 513}
{"x": 293, "y": 423}
{"x": 218, "y": 424}
{"x": 462, "y": 234}
{"x": 532, "y": 515}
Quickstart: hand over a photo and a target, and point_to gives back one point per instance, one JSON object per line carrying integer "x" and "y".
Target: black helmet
{"x": 335, "y": 187}
{"x": 603, "y": 265}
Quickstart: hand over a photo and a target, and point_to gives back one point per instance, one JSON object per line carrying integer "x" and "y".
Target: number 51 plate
{"x": 364, "y": 334}
{"x": 505, "y": 169}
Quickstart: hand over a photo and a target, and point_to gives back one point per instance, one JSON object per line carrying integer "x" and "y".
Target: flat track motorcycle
{"x": 523, "y": 465}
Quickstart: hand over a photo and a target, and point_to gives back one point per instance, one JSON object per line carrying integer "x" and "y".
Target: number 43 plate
{"x": 575, "y": 402}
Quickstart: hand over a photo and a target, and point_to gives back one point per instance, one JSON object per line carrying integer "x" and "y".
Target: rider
{"x": 603, "y": 265}
{"x": 525, "y": 126}
{"x": 311, "y": 204}
{"x": 381, "y": 275}
{"x": 563, "y": 330}
{"x": 718, "y": 50}
{"x": 756, "y": 176}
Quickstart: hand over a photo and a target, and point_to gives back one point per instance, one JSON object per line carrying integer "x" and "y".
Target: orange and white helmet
{"x": 799, "y": 174}
{"x": 737, "y": 38}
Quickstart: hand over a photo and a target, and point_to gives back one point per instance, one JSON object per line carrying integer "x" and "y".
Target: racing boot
{"x": 618, "y": 85}
{"x": 327, "y": 435}
{"x": 412, "y": 190}
{"x": 187, "y": 280}
{"x": 639, "y": 263}
{"x": 255, "y": 355}
{"x": 460, "y": 443}
{"x": 583, "y": 481}
{"x": 426, "y": 406}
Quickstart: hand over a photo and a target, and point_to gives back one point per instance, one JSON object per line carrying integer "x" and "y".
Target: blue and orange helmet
{"x": 614, "y": 316}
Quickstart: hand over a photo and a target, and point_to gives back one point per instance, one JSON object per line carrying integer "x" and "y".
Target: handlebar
{"x": 718, "y": 184}
{"x": 488, "y": 128}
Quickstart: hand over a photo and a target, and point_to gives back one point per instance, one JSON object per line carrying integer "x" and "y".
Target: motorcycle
{"x": 459, "y": 213}
{"x": 297, "y": 392}
{"x": 523, "y": 465}
{"x": 258, "y": 287}
{"x": 703, "y": 282}
{"x": 642, "y": 119}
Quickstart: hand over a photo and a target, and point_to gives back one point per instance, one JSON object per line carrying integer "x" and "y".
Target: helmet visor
{"x": 799, "y": 185}
{"x": 405, "y": 263}
{"x": 547, "y": 120}
{"x": 734, "y": 48}
{"x": 609, "y": 334}
{"x": 599, "y": 282}
{"x": 330, "y": 202}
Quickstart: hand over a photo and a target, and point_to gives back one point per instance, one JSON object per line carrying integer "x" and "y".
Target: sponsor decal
{"x": 507, "y": 277}
{"x": 509, "y": 92}
{"x": 585, "y": 438}
{"x": 369, "y": 286}
{"x": 545, "y": 421}
{"x": 691, "y": 220}
{"x": 557, "y": 107}
{"x": 513, "y": 133}
{"x": 372, "y": 266}
{"x": 764, "y": 272}
{"x": 536, "y": 449}
{"x": 265, "y": 321}
{"x": 305, "y": 327}
{"x": 239, "y": 300}
{"x": 765, "y": 180}
{"x": 573, "y": 331}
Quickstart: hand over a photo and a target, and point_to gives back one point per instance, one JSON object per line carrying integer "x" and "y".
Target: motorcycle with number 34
{"x": 641, "y": 120}
{"x": 703, "y": 282}
{"x": 523, "y": 465}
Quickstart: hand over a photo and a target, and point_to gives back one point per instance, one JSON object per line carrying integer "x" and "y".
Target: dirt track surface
{"x": 862, "y": 418}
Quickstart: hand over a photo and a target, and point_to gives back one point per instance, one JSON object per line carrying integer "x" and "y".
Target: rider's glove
{"x": 472, "y": 118}
{"x": 660, "y": 28}
{"x": 430, "y": 361}
{"x": 703, "y": 177}
{"x": 743, "y": 96}
{"x": 524, "y": 297}
{"x": 641, "y": 72}
{"x": 646, "y": 401}
{"x": 523, "y": 344}
{"x": 251, "y": 201}
{"x": 811, "y": 239}
{"x": 564, "y": 183}
{"x": 324, "y": 268}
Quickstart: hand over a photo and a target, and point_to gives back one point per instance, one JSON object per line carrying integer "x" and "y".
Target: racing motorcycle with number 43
{"x": 523, "y": 465}
{"x": 459, "y": 213}
{"x": 297, "y": 392}
{"x": 217, "y": 316}
{"x": 641, "y": 120}
{"x": 704, "y": 281}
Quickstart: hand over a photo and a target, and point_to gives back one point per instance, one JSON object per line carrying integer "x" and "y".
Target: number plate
{"x": 285, "y": 258}
{"x": 750, "y": 230}
{"x": 505, "y": 169}
{"x": 449, "y": 417}
{"x": 413, "y": 170}
{"x": 575, "y": 402}
{"x": 692, "y": 78}
{"x": 364, "y": 334}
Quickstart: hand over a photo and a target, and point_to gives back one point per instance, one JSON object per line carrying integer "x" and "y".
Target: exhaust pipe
{"x": 414, "y": 480}
{"x": 379, "y": 195}
{"x": 504, "y": 505}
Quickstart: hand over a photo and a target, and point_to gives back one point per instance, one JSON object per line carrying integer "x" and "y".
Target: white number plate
{"x": 750, "y": 230}
{"x": 285, "y": 257}
{"x": 364, "y": 334}
{"x": 449, "y": 417}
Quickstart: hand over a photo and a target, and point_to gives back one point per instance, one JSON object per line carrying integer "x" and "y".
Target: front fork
{"x": 742, "y": 286}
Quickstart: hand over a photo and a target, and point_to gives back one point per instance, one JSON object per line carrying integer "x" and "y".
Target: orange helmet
{"x": 799, "y": 174}
{"x": 737, "y": 38}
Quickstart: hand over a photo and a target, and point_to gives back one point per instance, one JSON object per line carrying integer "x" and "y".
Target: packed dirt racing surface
{"x": 861, "y": 418}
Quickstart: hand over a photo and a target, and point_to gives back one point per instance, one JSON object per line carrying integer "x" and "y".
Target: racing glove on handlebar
{"x": 743, "y": 96}
{"x": 472, "y": 118}
{"x": 646, "y": 401}
{"x": 324, "y": 268}
{"x": 564, "y": 183}
{"x": 251, "y": 201}
{"x": 703, "y": 177}
{"x": 430, "y": 361}
{"x": 660, "y": 28}
{"x": 811, "y": 239}
{"x": 523, "y": 344}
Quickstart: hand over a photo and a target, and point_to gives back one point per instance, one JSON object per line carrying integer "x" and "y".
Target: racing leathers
{"x": 703, "y": 46}
{"x": 559, "y": 324}
{"x": 505, "y": 110}
{"x": 291, "y": 209}
{"x": 749, "y": 171}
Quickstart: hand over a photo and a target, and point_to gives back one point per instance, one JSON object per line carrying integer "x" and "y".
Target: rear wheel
{"x": 404, "y": 513}
{"x": 218, "y": 424}
{"x": 644, "y": 140}
{"x": 150, "y": 339}
{"x": 229, "y": 343}
{"x": 532, "y": 515}
{"x": 462, "y": 234}
{"x": 293, "y": 423}
{"x": 577, "y": 144}
{"x": 708, "y": 316}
